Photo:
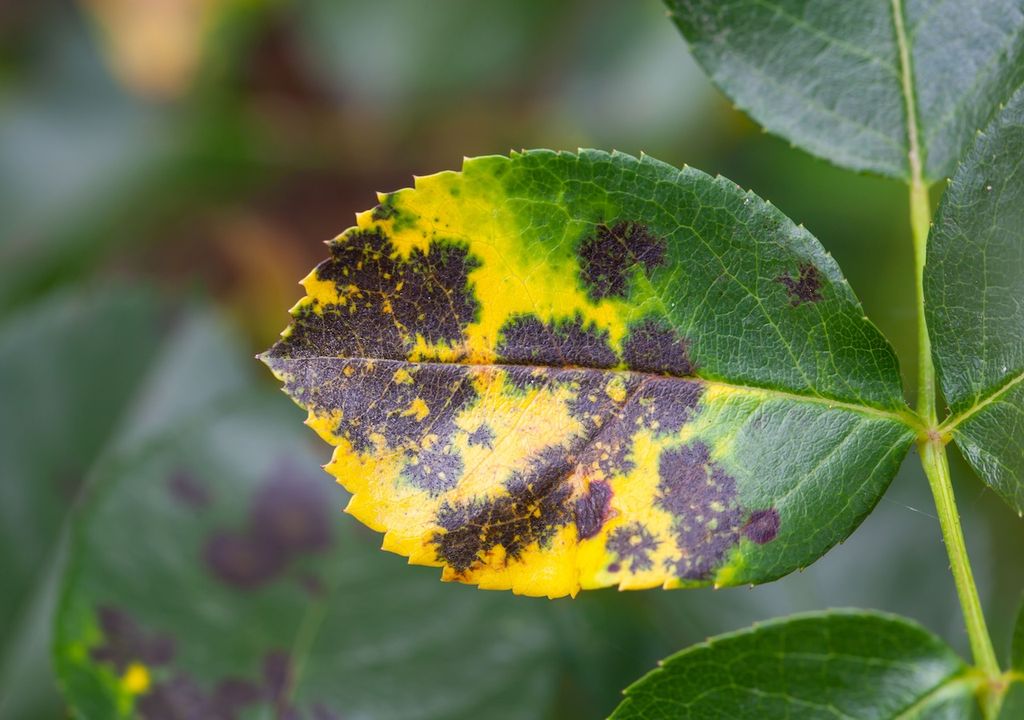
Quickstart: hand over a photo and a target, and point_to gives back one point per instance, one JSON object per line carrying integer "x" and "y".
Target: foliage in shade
{"x": 278, "y": 608}
{"x": 828, "y": 75}
{"x": 81, "y": 405}
{"x": 555, "y": 371}
{"x": 819, "y": 666}
{"x": 974, "y": 282}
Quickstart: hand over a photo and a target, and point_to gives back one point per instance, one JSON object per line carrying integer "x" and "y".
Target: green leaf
{"x": 555, "y": 371}
{"x": 847, "y": 664}
{"x": 1017, "y": 647}
{"x": 1013, "y": 702}
{"x": 209, "y": 577}
{"x": 974, "y": 282}
{"x": 63, "y": 398}
{"x": 837, "y": 78}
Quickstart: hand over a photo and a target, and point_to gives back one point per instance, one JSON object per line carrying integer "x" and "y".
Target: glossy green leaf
{"x": 62, "y": 401}
{"x": 211, "y": 577}
{"x": 554, "y": 371}
{"x": 855, "y": 665}
{"x": 835, "y": 77}
{"x": 1013, "y": 701}
{"x": 974, "y": 282}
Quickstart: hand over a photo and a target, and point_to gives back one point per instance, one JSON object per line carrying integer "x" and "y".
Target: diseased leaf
{"x": 56, "y": 417}
{"x": 210, "y": 578}
{"x": 974, "y": 282}
{"x": 847, "y": 664}
{"x": 555, "y": 371}
{"x": 829, "y": 77}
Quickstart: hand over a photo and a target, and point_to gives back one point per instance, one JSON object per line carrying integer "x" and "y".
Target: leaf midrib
{"x": 951, "y": 423}
{"x": 904, "y": 417}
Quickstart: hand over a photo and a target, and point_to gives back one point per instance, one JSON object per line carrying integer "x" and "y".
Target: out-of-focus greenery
{"x": 187, "y": 162}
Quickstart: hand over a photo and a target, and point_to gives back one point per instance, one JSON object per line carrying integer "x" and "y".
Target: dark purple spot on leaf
{"x": 178, "y": 698}
{"x": 388, "y": 300}
{"x": 608, "y": 256}
{"x": 292, "y": 513}
{"x": 374, "y": 405}
{"x": 125, "y": 642}
{"x": 532, "y": 511}
{"x": 632, "y": 543}
{"x": 592, "y": 509}
{"x": 434, "y": 470}
{"x": 244, "y": 560}
{"x": 655, "y": 347}
{"x": 805, "y": 288}
{"x": 528, "y": 341}
{"x": 702, "y": 499}
{"x": 483, "y": 436}
{"x": 763, "y": 526}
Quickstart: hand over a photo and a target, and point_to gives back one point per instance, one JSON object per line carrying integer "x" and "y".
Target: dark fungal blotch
{"x": 702, "y": 498}
{"x": 386, "y": 300}
{"x": 762, "y": 526}
{"x": 534, "y": 507}
{"x": 382, "y": 400}
{"x": 805, "y": 288}
{"x": 592, "y": 508}
{"x": 125, "y": 641}
{"x": 632, "y": 545}
{"x": 608, "y": 256}
{"x": 526, "y": 340}
{"x": 289, "y": 517}
{"x": 653, "y": 346}
{"x": 434, "y": 470}
{"x": 483, "y": 436}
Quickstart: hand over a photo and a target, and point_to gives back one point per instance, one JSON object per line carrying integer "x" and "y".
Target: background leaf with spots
{"x": 555, "y": 372}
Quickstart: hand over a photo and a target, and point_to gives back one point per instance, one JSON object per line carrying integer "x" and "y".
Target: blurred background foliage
{"x": 168, "y": 171}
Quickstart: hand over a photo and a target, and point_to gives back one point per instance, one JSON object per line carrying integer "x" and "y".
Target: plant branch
{"x": 936, "y": 467}
{"x": 932, "y": 447}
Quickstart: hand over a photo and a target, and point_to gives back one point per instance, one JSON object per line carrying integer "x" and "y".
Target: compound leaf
{"x": 974, "y": 283}
{"x": 833, "y": 77}
{"x": 555, "y": 371}
{"x": 819, "y": 666}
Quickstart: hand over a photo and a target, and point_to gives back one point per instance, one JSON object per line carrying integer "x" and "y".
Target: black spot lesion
{"x": 436, "y": 470}
{"x": 526, "y": 340}
{"x": 607, "y": 257}
{"x": 708, "y": 519}
{"x": 125, "y": 641}
{"x": 632, "y": 544}
{"x": 176, "y": 693}
{"x": 657, "y": 405}
{"x": 592, "y": 509}
{"x": 762, "y": 526}
{"x": 387, "y": 301}
{"x": 386, "y": 405}
{"x": 702, "y": 499}
{"x": 653, "y": 346}
{"x": 289, "y": 517}
{"x": 482, "y": 436}
{"x": 533, "y": 508}
{"x": 805, "y": 287}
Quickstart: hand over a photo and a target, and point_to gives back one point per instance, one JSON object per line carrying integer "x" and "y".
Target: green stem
{"x": 920, "y": 217}
{"x": 936, "y": 467}
{"x": 932, "y": 447}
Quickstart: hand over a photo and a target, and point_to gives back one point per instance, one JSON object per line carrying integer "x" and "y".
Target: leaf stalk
{"x": 936, "y": 467}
